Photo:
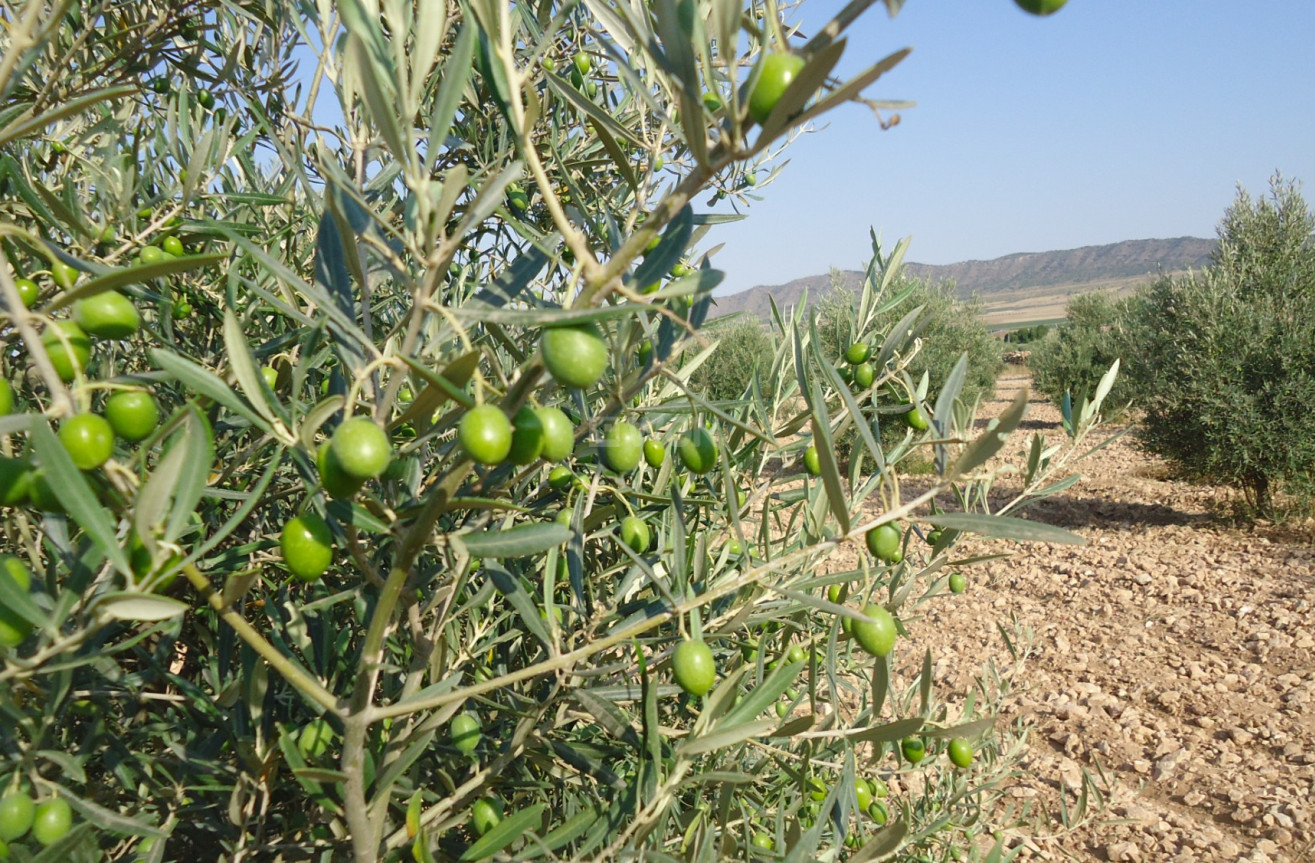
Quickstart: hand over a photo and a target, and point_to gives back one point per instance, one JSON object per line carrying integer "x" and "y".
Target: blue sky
{"x": 1110, "y": 120}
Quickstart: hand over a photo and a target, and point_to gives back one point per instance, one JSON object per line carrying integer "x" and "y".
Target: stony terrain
{"x": 1173, "y": 652}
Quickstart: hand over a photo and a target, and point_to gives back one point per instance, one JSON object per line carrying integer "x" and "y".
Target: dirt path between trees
{"x": 1174, "y": 650}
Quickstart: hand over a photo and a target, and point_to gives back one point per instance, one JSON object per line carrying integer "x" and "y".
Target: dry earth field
{"x": 1009, "y": 309}
{"x": 1173, "y": 651}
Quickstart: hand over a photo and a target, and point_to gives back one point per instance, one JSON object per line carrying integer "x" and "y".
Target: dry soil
{"x": 1173, "y": 651}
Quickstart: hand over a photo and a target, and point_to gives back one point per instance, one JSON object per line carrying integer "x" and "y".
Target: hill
{"x": 1028, "y": 286}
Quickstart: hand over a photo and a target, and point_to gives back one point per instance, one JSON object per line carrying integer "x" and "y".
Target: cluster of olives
{"x": 129, "y": 415}
{"x": 576, "y": 357}
{"x": 47, "y": 821}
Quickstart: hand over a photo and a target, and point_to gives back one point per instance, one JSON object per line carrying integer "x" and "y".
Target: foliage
{"x": 835, "y": 315}
{"x": 946, "y": 326}
{"x": 1027, "y": 335}
{"x": 1071, "y": 361}
{"x": 328, "y": 212}
{"x": 744, "y": 350}
{"x": 1225, "y": 357}
{"x": 950, "y": 326}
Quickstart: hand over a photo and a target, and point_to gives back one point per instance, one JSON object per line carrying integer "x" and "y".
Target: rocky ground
{"x": 1173, "y": 652}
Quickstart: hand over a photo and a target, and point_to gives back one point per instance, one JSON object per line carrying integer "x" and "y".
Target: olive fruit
{"x": 485, "y": 434}
{"x": 623, "y": 447}
{"x": 89, "y": 439}
{"x": 576, "y": 356}
{"x": 812, "y": 461}
{"x": 485, "y": 813}
{"x": 52, "y": 821}
{"x": 70, "y": 354}
{"x": 15, "y": 481}
{"x": 654, "y": 452}
{"x": 960, "y": 752}
{"x": 636, "y": 534}
{"x": 1041, "y": 7}
{"x": 42, "y": 495}
{"x": 133, "y": 414}
{"x": 558, "y": 434}
{"x": 337, "y": 483}
{"x": 698, "y": 450}
{"x": 17, "y": 811}
{"x": 362, "y": 448}
{"x": 307, "y": 546}
{"x": 862, "y": 794}
{"x": 108, "y": 315}
{"x": 64, "y": 274}
{"x": 464, "y": 732}
{"x": 884, "y": 542}
{"x": 560, "y": 477}
{"x": 152, "y": 255}
{"x": 27, "y": 291}
{"x": 526, "y": 436}
{"x": 314, "y": 739}
{"x": 517, "y": 199}
{"x": 14, "y": 629}
{"x": 777, "y": 69}
{"x": 694, "y": 667}
{"x": 877, "y": 635}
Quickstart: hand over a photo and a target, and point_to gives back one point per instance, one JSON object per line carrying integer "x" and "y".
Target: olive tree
{"x": 743, "y": 349}
{"x": 1070, "y": 361}
{"x": 411, "y": 537}
{"x": 1221, "y": 360}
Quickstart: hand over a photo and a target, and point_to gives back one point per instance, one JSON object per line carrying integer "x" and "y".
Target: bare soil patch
{"x": 1173, "y": 651}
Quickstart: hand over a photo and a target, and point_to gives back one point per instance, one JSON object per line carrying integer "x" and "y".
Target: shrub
{"x": 1072, "y": 359}
{"x": 949, "y": 327}
{"x": 744, "y": 350}
{"x": 1025, "y": 336}
{"x": 1224, "y": 359}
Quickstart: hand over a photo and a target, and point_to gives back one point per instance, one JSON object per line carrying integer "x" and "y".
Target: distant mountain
{"x": 1060, "y": 273}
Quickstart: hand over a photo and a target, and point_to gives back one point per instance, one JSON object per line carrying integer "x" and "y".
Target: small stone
{"x": 1240, "y": 736}
{"x": 1070, "y": 774}
{"x": 1281, "y": 837}
{"x": 1164, "y": 767}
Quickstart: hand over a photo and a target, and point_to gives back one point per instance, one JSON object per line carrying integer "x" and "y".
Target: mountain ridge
{"x": 1010, "y": 283}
